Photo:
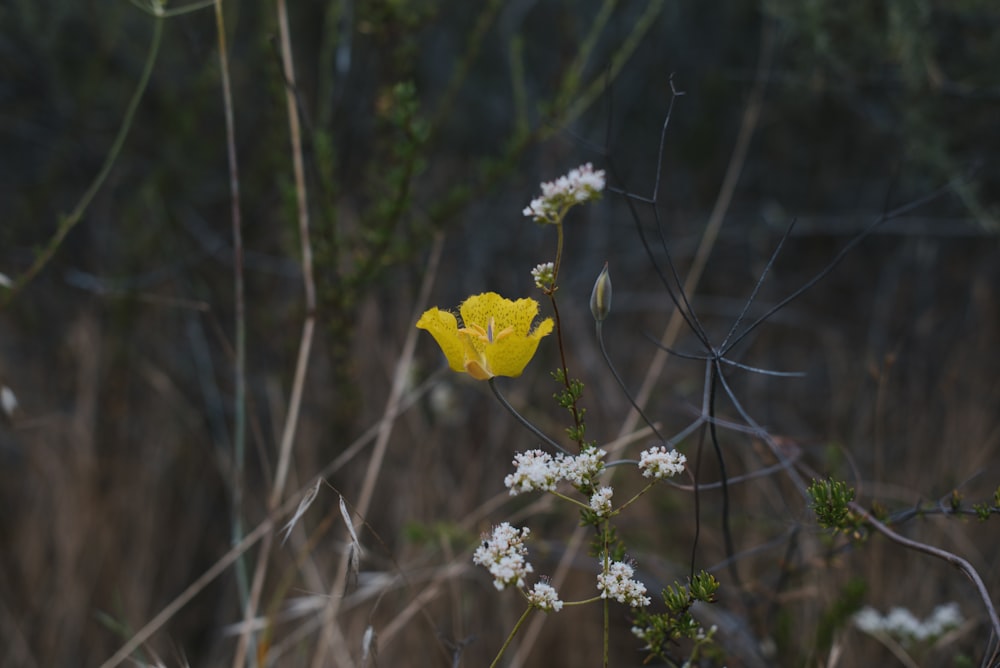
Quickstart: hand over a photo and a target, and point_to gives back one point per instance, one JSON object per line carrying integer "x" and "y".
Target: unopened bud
{"x": 600, "y": 298}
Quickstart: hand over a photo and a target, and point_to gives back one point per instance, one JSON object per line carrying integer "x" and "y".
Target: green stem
{"x": 577, "y": 422}
{"x": 559, "y": 251}
{"x": 607, "y": 602}
{"x": 239, "y": 408}
{"x": 636, "y": 497}
{"x": 510, "y": 637}
{"x": 621, "y": 383}
{"x": 523, "y": 420}
{"x": 68, "y": 222}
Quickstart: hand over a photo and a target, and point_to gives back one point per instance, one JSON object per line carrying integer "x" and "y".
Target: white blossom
{"x": 600, "y": 501}
{"x": 902, "y": 624}
{"x": 544, "y": 597}
{"x": 583, "y": 468}
{"x": 503, "y": 554}
{"x": 659, "y": 463}
{"x": 533, "y": 470}
{"x": 580, "y": 185}
{"x": 616, "y": 582}
{"x": 544, "y": 275}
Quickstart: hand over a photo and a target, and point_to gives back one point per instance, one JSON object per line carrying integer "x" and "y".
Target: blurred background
{"x": 433, "y": 122}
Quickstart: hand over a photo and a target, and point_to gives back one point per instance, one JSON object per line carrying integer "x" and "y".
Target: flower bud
{"x": 600, "y": 298}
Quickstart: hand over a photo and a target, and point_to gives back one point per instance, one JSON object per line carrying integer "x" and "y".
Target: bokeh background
{"x": 433, "y": 122}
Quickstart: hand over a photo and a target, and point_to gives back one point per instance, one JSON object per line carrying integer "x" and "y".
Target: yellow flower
{"x": 497, "y": 339}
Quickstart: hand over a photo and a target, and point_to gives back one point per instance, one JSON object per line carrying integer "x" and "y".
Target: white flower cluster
{"x": 580, "y": 185}
{"x": 503, "y": 554}
{"x": 600, "y": 501}
{"x": 533, "y": 470}
{"x": 538, "y": 470}
{"x": 584, "y": 468}
{"x": 659, "y": 463}
{"x": 544, "y": 597}
{"x": 616, "y": 582}
{"x": 902, "y": 624}
{"x": 544, "y": 275}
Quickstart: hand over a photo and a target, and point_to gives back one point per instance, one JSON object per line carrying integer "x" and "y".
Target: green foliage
{"x": 955, "y": 501}
{"x": 605, "y": 540}
{"x": 830, "y": 501}
{"x": 662, "y": 631}
{"x": 569, "y": 398}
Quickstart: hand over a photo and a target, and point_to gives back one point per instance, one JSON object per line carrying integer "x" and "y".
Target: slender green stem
{"x": 559, "y": 251}
{"x": 523, "y": 420}
{"x": 607, "y": 602}
{"x": 510, "y": 636}
{"x": 565, "y": 369}
{"x": 239, "y": 372}
{"x": 621, "y": 383}
{"x": 68, "y": 222}
{"x": 635, "y": 497}
{"x": 577, "y": 421}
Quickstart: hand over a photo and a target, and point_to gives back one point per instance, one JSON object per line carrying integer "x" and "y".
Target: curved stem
{"x": 621, "y": 383}
{"x": 68, "y": 222}
{"x": 523, "y": 420}
{"x": 239, "y": 307}
{"x": 510, "y": 636}
{"x": 958, "y": 562}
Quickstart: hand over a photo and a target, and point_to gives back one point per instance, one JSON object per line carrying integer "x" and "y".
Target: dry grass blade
{"x": 355, "y": 552}
{"x": 304, "y": 504}
{"x": 396, "y": 396}
{"x": 369, "y": 646}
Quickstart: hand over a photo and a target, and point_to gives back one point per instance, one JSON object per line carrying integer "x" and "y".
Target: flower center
{"x": 489, "y": 333}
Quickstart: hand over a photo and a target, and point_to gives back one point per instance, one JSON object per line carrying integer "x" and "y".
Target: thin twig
{"x": 239, "y": 306}
{"x": 69, "y": 221}
{"x": 523, "y": 420}
{"x": 265, "y": 528}
{"x": 309, "y": 284}
{"x": 396, "y": 395}
{"x": 308, "y": 327}
{"x": 958, "y": 562}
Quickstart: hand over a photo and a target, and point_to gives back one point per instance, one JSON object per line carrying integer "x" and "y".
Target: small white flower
{"x": 868, "y": 620}
{"x": 583, "y": 468}
{"x": 944, "y": 618}
{"x": 503, "y": 554}
{"x": 580, "y": 185}
{"x": 902, "y": 622}
{"x": 616, "y": 582}
{"x": 600, "y": 502}
{"x": 533, "y": 470}
{"x": 659, "y": 463}
{"x": 904, "y": 625}
{"x": 539, "y": 210}
{"x": 8, "y": 400}
{"x": 543, "y": 275}
{"x": 544, "y": 597}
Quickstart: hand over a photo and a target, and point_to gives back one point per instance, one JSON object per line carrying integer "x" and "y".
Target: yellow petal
{"x": 510, "y": 355}
{"x": 496, "y": 338}
{"x": 478, "y": 309}
{"x": 475, "y": 369}
{"x": 444, "y": 328}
